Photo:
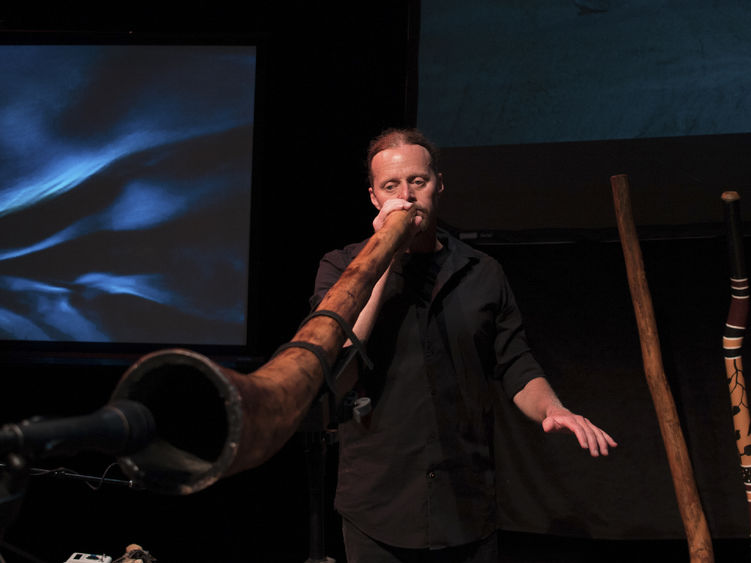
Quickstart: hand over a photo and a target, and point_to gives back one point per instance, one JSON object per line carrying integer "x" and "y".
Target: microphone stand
{"x": 91, "y": 480}
{"x": 318, "y": 434}
{"x": 14, "y": 476}
{"x": 120, "y": 426}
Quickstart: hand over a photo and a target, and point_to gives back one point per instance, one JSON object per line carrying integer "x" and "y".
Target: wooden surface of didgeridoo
{"x": 689, "y": 503}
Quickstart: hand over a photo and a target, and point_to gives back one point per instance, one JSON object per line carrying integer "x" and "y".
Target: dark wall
{"x": 540, "y": 188}
{"x": 334, "y": 79}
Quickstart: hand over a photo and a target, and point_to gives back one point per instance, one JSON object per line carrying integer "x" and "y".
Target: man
{"x": 416, "y": 477}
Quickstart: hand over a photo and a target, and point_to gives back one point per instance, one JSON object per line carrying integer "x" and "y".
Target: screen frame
{"x": 237, "y": 356}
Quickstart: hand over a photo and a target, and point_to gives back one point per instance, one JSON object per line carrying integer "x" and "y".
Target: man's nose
{"x": 406, "y": 192}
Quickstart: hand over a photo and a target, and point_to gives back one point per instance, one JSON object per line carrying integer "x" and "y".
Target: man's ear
{"x": 373, "y": 198}
{"x": 440, "y": 182}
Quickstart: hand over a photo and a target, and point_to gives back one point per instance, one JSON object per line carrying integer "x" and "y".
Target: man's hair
{"x": 392, "y": 138}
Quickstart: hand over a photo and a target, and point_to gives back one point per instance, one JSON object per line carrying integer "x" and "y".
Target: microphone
{"x": 121, "y": 427}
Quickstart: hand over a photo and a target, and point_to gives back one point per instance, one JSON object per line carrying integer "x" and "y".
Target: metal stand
{"x": 317, "y": 435}
{"x": 14, "y": 476}
{"x": 315, "y": 454}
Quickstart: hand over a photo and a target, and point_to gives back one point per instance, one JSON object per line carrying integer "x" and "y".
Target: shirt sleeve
{"x": 515, "y": 364}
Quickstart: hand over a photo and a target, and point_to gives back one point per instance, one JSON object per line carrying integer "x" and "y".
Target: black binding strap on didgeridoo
{"x": 358, "y": 345}
{"x": 319, "y": 352}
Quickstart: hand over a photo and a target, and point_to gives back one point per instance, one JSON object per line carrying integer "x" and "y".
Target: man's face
{"x": 404, "y": 172}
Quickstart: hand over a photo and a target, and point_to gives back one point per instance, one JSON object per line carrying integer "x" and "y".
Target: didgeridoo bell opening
{"x": 198, "y": 416}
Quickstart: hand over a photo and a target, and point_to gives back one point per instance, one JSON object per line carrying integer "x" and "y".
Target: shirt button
{"x": 431, "y": 475}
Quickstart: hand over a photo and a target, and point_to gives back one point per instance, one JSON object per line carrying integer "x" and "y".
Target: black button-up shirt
{"x": 419, "y": 472}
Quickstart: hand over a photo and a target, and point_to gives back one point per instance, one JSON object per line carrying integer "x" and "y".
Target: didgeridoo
{"x": 733, "y": 335}
{"x": 212, "y": 421}
{"x": 689, "y": 504}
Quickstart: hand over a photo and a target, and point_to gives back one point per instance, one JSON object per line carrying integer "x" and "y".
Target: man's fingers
{"x": 587, "y": 434}
{"x": 388, "y": 207}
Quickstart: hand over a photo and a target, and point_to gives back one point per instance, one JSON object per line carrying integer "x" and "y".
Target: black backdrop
{"x": 336, "y": 76}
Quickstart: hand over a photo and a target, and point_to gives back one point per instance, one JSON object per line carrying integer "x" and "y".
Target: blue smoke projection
{"x": 125, "y": 189}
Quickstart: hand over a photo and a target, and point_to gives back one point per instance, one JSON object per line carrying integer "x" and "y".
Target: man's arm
{"x": 539, "y": 402}
{"x": 366, "y": 320}
{"x": 362, "y": 328}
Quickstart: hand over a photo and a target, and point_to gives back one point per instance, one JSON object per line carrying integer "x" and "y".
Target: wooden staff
{"x": 733, "y": 334}
{"x": 212, "y": 421}
{"x": 694, "y": 521}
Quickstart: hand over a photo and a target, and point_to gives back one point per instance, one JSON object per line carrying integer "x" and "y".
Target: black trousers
{"x": 361, "y": 548}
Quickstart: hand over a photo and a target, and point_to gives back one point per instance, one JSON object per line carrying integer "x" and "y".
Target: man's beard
{"x": 424, "y": 239}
